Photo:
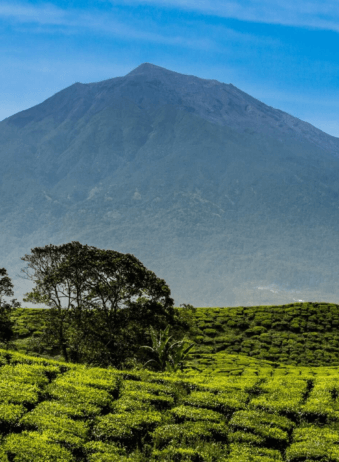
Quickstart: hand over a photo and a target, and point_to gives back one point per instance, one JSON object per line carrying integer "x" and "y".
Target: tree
{"x": 6, "y": 309}
{"x": 101, "y": 301}
{"x": 167, "y": 356}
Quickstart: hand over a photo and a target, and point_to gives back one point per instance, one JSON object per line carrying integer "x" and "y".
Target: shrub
{"x": 246, "y": 438}
{"x": 281, "y": 395}
{"x": 189, "y": 432}
{"x": 97, "y": 451}
{"x": 177, "y": 454}
{"x": 320, "y": 403}
{"x": 245, "y": 453}
{"x": 224, "y": 403}
{"x": 74, "y": 392}
{"x": 256, "y": 330}
{"x": 10, "y": 415}
{"x": 182, "y": 413}
{"x": 126, "y": 427}
{"x": 159, "y": 401}
{"x": 211, "y": 332}
{"x": 310, "y": 443}
{"x": 18, "y": 393}
{"x": 94, "y": 377}
{"x": 34, "y": 446}
{"x": 151, "y": 387}
{"x": 59, "y": 427}
{"x": 271, "y": 427}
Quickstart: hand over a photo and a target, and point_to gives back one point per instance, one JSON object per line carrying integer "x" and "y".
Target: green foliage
{"x": 189, "y": 432}
{"x": 127, "y": 428}
{"x": 61, "y": 428}
{"x": 37, "y": 447}
{"x": 246, "y": 453}
{"x": 69, "y": 392}
{"x": 222, "y": 402}
{"x": 236, "y": 408}
{"x": 98, "y": 451}
{"x": 10, "y": 415}
{"x": 314, "y": 443}
{"x": 270, "y": 428}
{"x": 302, "y": 334}
{"x": 6, "y": 309}
{"x": 111, "y": 299}
{"x": 18, "y": 393}
{"x": 167, "y": 356}
{"x": 182, "y": 413}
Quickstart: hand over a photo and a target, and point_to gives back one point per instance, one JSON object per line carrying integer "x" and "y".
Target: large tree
{"x": 102, "y": 302}
{"x": 6, "y": 308}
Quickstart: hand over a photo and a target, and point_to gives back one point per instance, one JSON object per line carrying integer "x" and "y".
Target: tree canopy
{"x": 6, "y": 308}
{"x": 102, "y": 302}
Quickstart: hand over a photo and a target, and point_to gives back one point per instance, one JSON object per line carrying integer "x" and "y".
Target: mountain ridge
{"x": 239, "y": 99}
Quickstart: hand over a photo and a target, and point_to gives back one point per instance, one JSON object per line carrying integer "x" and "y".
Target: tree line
{"x": 103, "y": 306}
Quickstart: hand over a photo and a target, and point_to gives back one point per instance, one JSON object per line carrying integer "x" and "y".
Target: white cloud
{"x": 305, "y": 13}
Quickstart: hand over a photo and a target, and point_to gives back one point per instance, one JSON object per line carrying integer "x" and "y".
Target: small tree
{"x": 167, "y": 356}
{"x": 101, "y": 301}
{"x": 6, "y": 309}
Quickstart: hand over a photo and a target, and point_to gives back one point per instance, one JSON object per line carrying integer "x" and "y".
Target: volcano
{"x": 229, "y": 200}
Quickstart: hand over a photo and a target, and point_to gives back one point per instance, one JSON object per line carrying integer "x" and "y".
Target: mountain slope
{"x": 231, "y": 201}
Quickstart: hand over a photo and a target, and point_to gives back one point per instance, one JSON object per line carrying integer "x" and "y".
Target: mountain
{"x": 232, "y": 202}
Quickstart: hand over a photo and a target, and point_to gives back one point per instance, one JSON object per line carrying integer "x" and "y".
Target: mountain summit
{"x": 229, "y": 200}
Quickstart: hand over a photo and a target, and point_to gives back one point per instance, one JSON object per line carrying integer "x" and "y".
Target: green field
{"x": 229, "y": 404}
{"x": 257, "y": 411}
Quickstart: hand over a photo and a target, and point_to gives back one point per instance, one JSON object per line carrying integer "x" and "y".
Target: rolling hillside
{"x": 242, "y": 397}
{"x": 260, "y": 412}
{"x": 303, "y": 334}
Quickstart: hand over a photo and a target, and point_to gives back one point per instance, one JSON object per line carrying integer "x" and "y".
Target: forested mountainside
{"x": 230, "y": 201}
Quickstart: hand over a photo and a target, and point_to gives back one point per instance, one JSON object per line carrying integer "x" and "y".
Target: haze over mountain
{"x": 232, "y": 202}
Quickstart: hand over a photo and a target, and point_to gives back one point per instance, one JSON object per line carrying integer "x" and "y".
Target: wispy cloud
{"x": 50, "y": 19}
{"x": 305, "y": 13}
{"x": 44, "y": 14}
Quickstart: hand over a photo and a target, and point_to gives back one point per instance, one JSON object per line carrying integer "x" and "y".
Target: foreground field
{"x": 253, "y": 411}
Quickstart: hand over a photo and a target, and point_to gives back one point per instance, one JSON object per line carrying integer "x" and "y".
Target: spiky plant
{"x": 167, "y": 356}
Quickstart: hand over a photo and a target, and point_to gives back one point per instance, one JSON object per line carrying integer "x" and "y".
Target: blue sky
{"x": 283, "y": 52}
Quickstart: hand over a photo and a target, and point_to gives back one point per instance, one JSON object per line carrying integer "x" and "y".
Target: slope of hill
{"x": 62, "y": 412}
{"x": 229, "y": 200}
{"x": 303, "y": 334}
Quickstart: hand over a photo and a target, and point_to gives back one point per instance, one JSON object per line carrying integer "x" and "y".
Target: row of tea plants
{"x": 262, "y": 412}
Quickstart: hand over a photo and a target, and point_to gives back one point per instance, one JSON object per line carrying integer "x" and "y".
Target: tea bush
{"x": 34, "y": 446}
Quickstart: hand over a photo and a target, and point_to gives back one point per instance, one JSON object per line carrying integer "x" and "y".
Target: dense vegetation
{"x": 259, "y": 384}
{"x": 54, "y": 411}
{"x": 305, "y": 334}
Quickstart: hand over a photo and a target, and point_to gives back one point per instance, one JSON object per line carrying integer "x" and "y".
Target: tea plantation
{"x": 305, "y": 334}
{"x": 261, "y": 386}
{"x": 53, "y": 411}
